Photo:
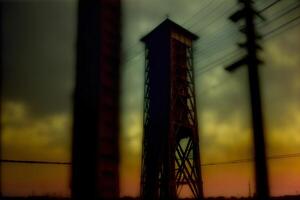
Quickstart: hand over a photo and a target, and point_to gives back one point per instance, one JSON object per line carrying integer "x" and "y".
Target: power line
{"x": 191, "y": 18}
{"x": 138, "y": 53}
{"x": 34, "y": 162}
{"x": 282, "y": 26}
{"x": 213, "y": 50}
{"x": 215, "y": 62}
{"x": 215, "y": 43}
{"x": 269, "y": 6}
{"x": 209, "y": 2}
{"x": 216, "y": 18}
{"x": 206, "y": 68}
{"x": 216, "y": 40}
{"x": 220, "y": 83}
{"x": 133, "y": 57}
{"x": 281, "y": 15}
{"x": 208, "y": 13}
{"x": 225, "y": 37}
{"x": 219, "y": 17}
{"x": 275, "y": 157}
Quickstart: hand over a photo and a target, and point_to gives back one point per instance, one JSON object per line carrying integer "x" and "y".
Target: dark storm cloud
{"x": 38, "y": 58}
{"x": 140, "y": 17}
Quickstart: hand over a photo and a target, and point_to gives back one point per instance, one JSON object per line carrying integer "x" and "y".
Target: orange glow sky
{"x": 37, "y": 126}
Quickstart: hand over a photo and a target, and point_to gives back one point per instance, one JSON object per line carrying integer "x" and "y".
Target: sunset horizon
{"x": 39, "y": 59}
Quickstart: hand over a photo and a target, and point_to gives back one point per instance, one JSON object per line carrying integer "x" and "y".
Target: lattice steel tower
{"x": 170, "y": 157}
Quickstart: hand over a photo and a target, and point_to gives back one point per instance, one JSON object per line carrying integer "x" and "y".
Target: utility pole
{"x": 249, "y": 188}
{"x": 248, "y": 13}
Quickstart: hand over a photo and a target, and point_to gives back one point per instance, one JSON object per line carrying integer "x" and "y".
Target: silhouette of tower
{"x": 170, "y": 157}
{"x": 95, "y": 160}
{"x": 1, "y": 97}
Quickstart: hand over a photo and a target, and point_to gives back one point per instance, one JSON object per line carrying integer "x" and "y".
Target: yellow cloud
{"x": 13, "y": 112}
{"x": 283, "y": 51}
{"x": 223, "y": 140}
{"x": 26, "y": 137}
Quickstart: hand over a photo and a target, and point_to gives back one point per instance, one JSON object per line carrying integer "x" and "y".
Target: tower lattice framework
{"x": 170, "y": 155}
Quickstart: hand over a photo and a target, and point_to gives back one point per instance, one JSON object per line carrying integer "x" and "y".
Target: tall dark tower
{"x": 95, "y": 157}
{"x": 170, "y": 157}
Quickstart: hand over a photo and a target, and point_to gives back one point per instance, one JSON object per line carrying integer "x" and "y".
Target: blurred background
{"x": 38, "y": 79}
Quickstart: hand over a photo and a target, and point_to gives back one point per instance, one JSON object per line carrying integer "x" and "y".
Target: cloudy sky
{"x": 39, "y": 55}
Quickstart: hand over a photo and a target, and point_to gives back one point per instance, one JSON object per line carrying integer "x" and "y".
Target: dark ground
{"x": 131, "y": 198}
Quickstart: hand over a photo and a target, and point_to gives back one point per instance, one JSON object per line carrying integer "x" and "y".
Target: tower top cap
{"x": 169, "y": 25}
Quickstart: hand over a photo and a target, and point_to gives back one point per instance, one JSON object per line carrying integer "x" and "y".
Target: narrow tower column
{"x": 171, "y": 157}
{"x": 95, "y": 149}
